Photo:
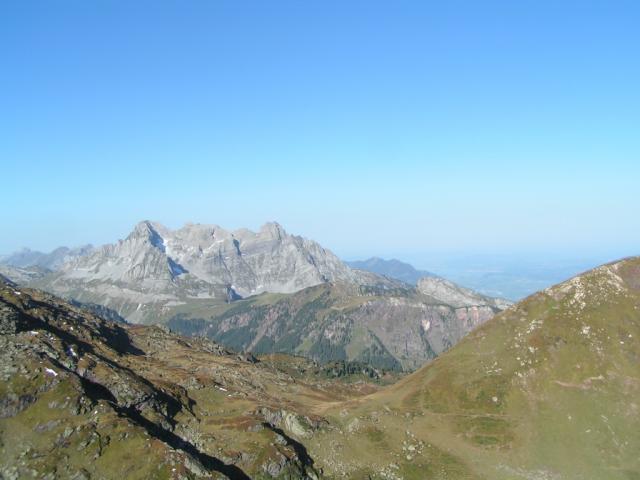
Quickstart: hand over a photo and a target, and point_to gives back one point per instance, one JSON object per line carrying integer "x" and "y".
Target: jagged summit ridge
{"x": 269, "y": 260}
{"x": 156, "y": 264}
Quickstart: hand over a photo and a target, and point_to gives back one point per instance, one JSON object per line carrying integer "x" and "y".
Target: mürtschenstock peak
{"x": 155, "y": 266}
{"x": 265, "y": 292}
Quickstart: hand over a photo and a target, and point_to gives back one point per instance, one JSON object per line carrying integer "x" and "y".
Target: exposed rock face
{"x": 158, "y": 266}
{"x": 414, "y": 330}
{"x": 269, "y": 260}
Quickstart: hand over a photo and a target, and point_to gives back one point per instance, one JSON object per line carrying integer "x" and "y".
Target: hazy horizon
{"x": 373, "y": 129}
{"x": 420, "y": 258}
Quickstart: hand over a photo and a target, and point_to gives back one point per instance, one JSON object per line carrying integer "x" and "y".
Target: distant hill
{"x": 27, "y": 258}
{"x": 391, "y": 268}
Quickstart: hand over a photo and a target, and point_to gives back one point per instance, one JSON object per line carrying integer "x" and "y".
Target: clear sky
{"x": 393, "y": 127}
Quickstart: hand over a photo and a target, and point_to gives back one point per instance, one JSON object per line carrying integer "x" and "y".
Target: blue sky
{"x": 391, "y": 128}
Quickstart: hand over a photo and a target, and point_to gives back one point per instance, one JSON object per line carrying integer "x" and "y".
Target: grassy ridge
{"x": 546, "y": 390}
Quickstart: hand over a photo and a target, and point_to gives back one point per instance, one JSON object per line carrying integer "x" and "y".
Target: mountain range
{"x": 265, "y": 291}
{"x": 547, "y": 389}
{"x": 158, "y": 266}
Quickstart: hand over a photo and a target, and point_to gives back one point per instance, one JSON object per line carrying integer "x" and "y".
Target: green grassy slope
{"x": 547, "y": 390}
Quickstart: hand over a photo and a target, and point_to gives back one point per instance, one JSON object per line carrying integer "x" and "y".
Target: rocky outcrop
{"x": 88, "y": 398}
{"x": 546, "y": 389}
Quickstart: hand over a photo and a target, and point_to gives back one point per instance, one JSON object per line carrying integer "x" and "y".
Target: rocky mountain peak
{"x": 273, "y": 230}
{"x": 145, "y": 230}
{"x": 155, "y": 264}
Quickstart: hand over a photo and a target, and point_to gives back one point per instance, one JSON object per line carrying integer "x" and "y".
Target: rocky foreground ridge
{"x": 82, "y": 397}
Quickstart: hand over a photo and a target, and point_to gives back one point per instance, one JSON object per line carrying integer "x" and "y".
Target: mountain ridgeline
{"x": 156, "y": 267}
{"x": 398, "y": 330}
{"x": 265, "y": 291}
